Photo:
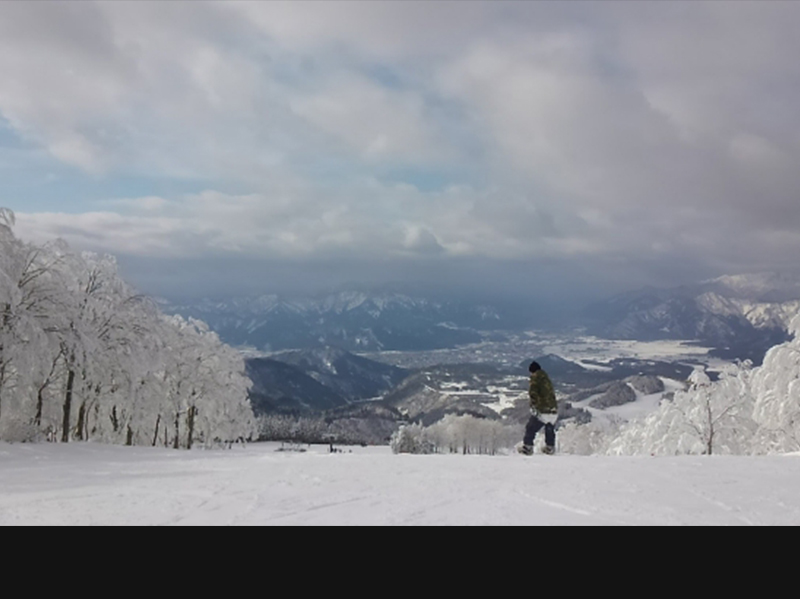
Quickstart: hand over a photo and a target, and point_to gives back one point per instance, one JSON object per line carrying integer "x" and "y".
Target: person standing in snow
{"x": 544, "y": 412}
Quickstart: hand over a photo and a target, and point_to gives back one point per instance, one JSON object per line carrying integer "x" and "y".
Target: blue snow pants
{"x": 534, "y": 426}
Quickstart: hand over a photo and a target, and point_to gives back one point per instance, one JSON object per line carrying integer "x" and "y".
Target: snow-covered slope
{"x": 762, "y": 315}
{"x": 760, "y": 287}
{"x": 99, "y": 485}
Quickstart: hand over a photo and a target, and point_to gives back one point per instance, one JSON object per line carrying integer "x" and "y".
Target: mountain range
{"x": 308, "y": 369}
{"x": 741, "y": 316}
{"x": 354, "y": 321}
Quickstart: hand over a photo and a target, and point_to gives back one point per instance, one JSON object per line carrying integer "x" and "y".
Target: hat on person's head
{"x": 534, "y": 367}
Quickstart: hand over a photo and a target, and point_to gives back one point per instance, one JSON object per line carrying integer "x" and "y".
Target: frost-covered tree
{"x": 463, "y": 434}
{"x": 776, "y": 388}
{"x": 411, "y": 439}
{"x": 83, "y": 357}
{"x": 200, "y": 369}
{"x": 593, "y": 437}
{"x": 27, "y": 301}
{"x": 707, "y": 418}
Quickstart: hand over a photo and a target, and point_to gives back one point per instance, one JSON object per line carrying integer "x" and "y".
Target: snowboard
{"x": 538, "y": 449}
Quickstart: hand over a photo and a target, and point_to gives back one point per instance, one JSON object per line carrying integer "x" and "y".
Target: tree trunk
{"x": 190, "y": 424}
{"x": 96, "y": 420}
{"x": 710, "y": 429}
{"x": 115, "y": 419}
{"x": 3, "y": 369}
{"x": 3, "y": 362}
{"x": 129, "y": 437}
{"x": 37, "y": 419}
{"x": 177, "y": 444}
{"x": 155, "y": 435}
{"x": 65, "y": 425}
{"x": 81, "y": 423}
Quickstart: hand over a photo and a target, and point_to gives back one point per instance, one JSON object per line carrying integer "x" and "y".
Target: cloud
{"x": 388, "y": 31}
{"x": 146, "y": 204}
{"x": 377, "y": 123}
{"x": 630, "y": 137}
{"x": 108, "y": 231}
{"x": 295, "y": 220}
{"x": 590, "y": 127}
{"x": 290, "y": 221}
{"x": 193, "y": 91}
{"x": 420, "y": 240}
{"x": 61, "y": 70}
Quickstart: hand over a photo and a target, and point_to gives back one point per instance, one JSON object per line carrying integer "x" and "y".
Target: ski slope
{"x": 105, "y": 485}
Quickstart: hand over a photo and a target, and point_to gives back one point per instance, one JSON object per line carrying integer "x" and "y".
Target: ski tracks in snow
{"x": 96, "y": 485}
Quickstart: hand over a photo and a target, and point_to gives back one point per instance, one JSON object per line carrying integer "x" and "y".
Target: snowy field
{"x": 593, "y": 353}
{"x": 589, "y": 351}
{"x": 105, "y": 485}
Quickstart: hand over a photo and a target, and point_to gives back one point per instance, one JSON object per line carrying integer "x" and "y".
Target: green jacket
{"x": 542, "y": 393}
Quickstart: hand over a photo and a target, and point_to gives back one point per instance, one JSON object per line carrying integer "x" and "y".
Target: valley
{"x": 358, "y": 365}
{"x": 312, "y": 393}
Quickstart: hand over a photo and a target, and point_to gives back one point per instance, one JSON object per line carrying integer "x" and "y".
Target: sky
{"x": 526, "y": 149}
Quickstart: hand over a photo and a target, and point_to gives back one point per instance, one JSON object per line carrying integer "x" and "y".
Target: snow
{"x": 506, "y": 398}
{"x": 759, "y": 314}
{"x": 594, "y": 367}
{"x": 89, "y": 484}
{"x": 581, "y": 349}
{"x": 758, "y": 284}
{"x": 642, "y": 407}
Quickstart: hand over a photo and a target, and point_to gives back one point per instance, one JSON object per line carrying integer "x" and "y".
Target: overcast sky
{"x": 515, "y": 148}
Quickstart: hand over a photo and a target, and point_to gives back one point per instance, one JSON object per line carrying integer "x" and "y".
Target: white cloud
{"x": 569, "y": 130}
{"x": 193, "y": 91}
{"x": 295, "y": 220}
{"x": 109, "y": 231}
{"x": 379, "y": 124}
{"x": 145, "y": 204}
{"x": 390, "y": 30}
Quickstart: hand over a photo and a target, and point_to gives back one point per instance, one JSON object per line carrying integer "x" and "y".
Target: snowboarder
{"x": 544, "y": 412}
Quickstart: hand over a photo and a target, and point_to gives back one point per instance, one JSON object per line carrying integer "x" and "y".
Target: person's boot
{"x": 525, "y": 449}
{"x": 549, "y": 450}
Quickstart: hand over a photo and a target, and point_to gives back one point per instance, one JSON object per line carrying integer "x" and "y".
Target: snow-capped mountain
{"x": 762, "y": 315}
{"x": 760, "y": 288}
{"x": 352, "y": 320}
{"x": 743, "y": 314}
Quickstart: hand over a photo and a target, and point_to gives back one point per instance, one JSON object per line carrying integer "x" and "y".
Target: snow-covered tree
{"x": 411, "y": 439}
{"x": 776, "y": 387}
{"x": 463, "y": 434}
{"x": 707, "y": 418}
{"x": 594, "y": 437}
{"x": 200, "y": 369}
{"x": 26, "y": 303}
{"x": 83, "y": 357}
